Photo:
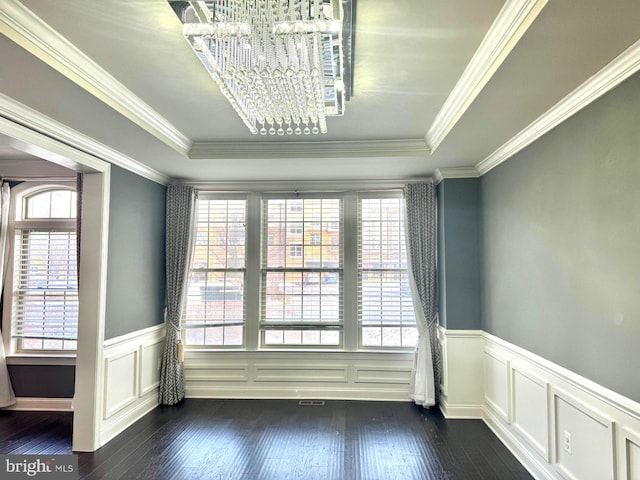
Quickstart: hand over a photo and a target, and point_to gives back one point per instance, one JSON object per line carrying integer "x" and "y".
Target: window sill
{"x": 41, "y": 359}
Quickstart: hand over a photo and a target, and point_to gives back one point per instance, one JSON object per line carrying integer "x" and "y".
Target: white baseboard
{"x": 36, "y": 404}
{"x": 120, "y": 423}
{"x": 460, "y": 411}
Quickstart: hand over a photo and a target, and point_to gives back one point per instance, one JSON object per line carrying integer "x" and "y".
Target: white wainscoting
{"x": 462, "y": 393}
{"x": 496, "y": 383}
{"x": 131, "y": 379}
{"x": 629, "y": 454}
{"x": 560, "y": 425}
{"x": 303, "y": 375}
{"x": 530, "y": 409}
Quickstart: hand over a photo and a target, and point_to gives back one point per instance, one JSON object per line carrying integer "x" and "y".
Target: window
{"x": 295, "y": 206}
{"x": 215, "y": 304}
{"x": 310, "y": 271}
{"x": 44, "y": 279}
{"x": 295, "y": 250}
{"x": 299, "y": 306}
{"x": 295, "y": 229}
{"x": 385, "y": 308}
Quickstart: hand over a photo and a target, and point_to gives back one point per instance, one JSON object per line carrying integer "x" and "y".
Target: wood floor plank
{"x": 277, "y": 439}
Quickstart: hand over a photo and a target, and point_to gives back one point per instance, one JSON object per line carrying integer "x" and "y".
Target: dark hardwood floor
{"x": 276, "y": 439}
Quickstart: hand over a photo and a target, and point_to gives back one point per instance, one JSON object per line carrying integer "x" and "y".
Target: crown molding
{"x": 34, "y": 35}
{"x": 281, "y": 186}
{"x": 320, "y": 149}
{"x": 447, "y": 173}
{"x": 614, "y": 73}
{"x": 36, "y": 121}
{"x": 513, "y": 20}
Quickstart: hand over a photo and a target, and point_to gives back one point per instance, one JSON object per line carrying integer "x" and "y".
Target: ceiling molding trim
{"x": 34, "y": 35}
{"x": 614, "y": 73}
{"x": 447, "y": 173}
{"x": 42, "y": 146}
{"x": 291, "y": 186}
{"x": 513, "y": 20}
{"x": 36, "y": 121}
{"x": 349, "y": 149}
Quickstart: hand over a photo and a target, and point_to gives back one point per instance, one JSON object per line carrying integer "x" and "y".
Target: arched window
{"x": 44, "y": 278}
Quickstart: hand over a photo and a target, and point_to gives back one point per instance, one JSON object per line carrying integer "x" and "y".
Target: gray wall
{"x": 561, "y": 244}
{"x": 136, "y": 264}
{"x": 458, "y": 253}
{"x": 46, "y": 381}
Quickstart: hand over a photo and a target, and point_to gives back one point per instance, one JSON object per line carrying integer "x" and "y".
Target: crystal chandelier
{"x": 280, "y": 63}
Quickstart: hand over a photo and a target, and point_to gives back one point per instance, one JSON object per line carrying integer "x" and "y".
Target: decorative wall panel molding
{"x": 563, "y": 426}
{"x": 629, "y": 454}
{"x": 497, "y": 380}
{"x": 121, "y": 381}
{"x": 300, "y": 373}
{"x": 583, "y": 439}
{"x": 530, "y": 409}
{"x": 314, "y": 375}
{"x": 131, "y": 379}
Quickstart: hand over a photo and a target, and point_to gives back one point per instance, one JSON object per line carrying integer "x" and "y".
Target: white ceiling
{"x": 122, "y": 74}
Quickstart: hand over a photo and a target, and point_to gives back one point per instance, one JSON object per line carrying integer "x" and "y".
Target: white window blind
{"x": 215, "y": 304}
{"x": 302, "y": 272}
{"x": 45, "y": 280}
{"x": 385, "y": 308}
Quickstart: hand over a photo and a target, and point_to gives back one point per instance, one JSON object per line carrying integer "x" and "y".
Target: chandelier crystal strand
{"x": 274, "y": 60}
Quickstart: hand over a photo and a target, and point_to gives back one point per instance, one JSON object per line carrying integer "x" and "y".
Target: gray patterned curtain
{"x": 6, "y": 391}
{"x": 181, "y": 201}
{"x": 420, "y": 204}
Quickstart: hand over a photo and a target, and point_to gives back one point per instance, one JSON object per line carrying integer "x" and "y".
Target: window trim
{"x": 18, "y": 198}
{"x": 350, "y": 338}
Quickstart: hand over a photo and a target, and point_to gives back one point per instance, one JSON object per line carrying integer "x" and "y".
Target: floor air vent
{"x": 311, "y": 403}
